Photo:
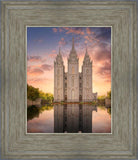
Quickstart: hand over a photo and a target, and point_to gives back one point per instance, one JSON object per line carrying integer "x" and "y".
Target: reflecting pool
{"x": 69, "y": 118}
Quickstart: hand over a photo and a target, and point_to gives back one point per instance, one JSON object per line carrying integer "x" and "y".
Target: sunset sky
{"x": 43, "y": 45}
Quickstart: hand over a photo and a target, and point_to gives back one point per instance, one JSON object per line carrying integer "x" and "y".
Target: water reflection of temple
{"x": 73, "y": 118}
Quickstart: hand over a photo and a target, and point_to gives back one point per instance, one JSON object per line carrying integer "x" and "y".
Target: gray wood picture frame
{"x": 16, "y": 143}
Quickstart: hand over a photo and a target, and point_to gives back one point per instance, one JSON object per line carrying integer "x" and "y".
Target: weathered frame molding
{"x": 122, "y": 142}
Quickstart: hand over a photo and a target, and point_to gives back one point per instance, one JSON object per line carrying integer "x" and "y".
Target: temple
{"x": 73, "y": 86}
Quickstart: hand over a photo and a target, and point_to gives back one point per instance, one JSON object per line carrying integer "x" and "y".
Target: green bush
{"x": 109, "y": 94}
{"x": 34, "y": 93}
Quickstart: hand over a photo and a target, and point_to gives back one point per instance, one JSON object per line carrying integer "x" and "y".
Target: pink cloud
{"x": 55, "y": 30}
{"x": 68, "y": 30}
{"x": 47, "y": 67}
{"x": 35, "y": 72}
{"x": 101, "y": 53}
{"x": 86, "y": 42}
{"x": 53, "y": 51}
{"x": 60, "y": 29}
{"x": 90, "y": 38}
{"x": 28, "y": 68}
{"x": 44, "y": 59}
{"x": 62, "y": 42}
{"x": 104, "y": 71}
{"x": 77, "y": 31}
{"x": 53, "y": 55}
{"x": 88, "y": 30}
{"x": 37, "y": 80}
{"x": 34, "y": 58}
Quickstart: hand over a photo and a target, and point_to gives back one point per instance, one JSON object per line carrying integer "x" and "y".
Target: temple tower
{"x": 73, "y": 76}
{"x": 87, "y": 78}
{"x": 58, "y": 78}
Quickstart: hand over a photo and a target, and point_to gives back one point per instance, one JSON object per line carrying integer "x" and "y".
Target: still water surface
{"x": 71, "y": 118}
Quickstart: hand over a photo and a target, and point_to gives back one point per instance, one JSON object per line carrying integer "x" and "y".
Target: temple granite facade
{"x": 73, "y": 86}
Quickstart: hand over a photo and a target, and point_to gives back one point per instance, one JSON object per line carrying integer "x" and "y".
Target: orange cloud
{"x": 78, "y": 31}
{"x": 46, "y": 67}
{"x": 53, "y": 51}
{"x": 34, "y": 58}
{"x": 55, "y": 30}
{"x": 88, "y": 30}
{"x": 53, "y": 55}
{"x": 60, "y": 29}
{"x": 36, "y": 80}
{"x": 90, "y": 38}
{"x": 86, "y": 42}
{"x": 62, "y": 42}
{"x": 35, "y": 72}
{"x": 44, "y": 83}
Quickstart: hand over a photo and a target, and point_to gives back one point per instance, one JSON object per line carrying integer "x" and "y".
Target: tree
{"x": 101, "y": 97}
{"x": 32, "y": 93}
{"x": 109, "y": 94}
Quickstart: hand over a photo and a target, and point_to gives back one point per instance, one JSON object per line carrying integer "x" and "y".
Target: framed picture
{"x": 69, "y": 80}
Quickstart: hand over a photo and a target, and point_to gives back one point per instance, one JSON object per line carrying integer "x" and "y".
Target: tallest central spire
{"x": 72, "y": 43}
{"x": 73, "y": 54}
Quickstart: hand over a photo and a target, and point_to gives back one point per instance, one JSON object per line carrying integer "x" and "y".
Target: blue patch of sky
{"x": 42, "y": 40}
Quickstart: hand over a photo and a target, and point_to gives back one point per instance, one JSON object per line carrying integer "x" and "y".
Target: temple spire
{"x": 86, "y": 57}
{"x": 73, "y": 54}
{"x": 59, "y": 59}
{"x": 72, "y": 43}
{"x": 86, "y": 49}
{"x": 59, "y": 51}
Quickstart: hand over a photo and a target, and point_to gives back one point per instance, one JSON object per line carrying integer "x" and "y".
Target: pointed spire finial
{"x": 59, "y": 51}
{"x": 72, "y": 42}
{"x": 86, "y": 49}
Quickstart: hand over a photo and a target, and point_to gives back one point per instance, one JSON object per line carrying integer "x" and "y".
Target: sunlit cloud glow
{"x": 43, "y": 46}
